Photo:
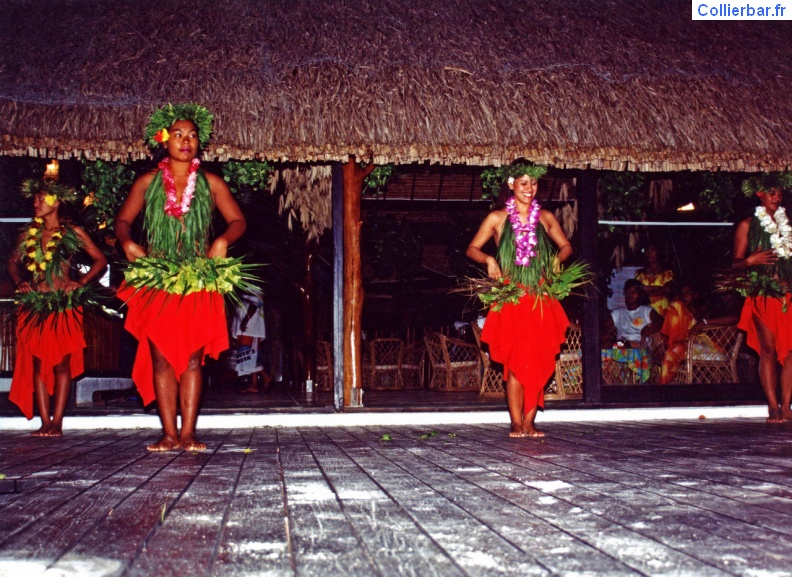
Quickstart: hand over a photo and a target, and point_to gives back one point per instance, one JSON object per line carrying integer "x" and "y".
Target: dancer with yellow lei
{"x": 174, "y": 286}
{"x": 50, "y": 338}
{"x": 524, "y": 332}
{"x": 763, "y": 255}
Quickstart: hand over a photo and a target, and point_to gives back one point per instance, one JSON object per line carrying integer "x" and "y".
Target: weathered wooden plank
{"x": 185, "y": 542}
{"x": 693, "y": 497}
{"x": 33, "y": 453}
{"x": 155, "y": 483}
{"x": 323, "y": 539}
{"x": 692, "y": 531}
{"x": 394, "y": 541}
{"x": 64, "y": 482}
{"x": 60, "y": 527}
{"x": 255, "y": 539}
{"x": 551, "y": 547}
{"x": 476, "y": 548}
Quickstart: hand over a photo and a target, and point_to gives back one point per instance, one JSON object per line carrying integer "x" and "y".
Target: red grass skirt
{"x": 49, "y": 342}
{"x": 526, "y": 339}
{"x": 177, "y": 325}
{"x": 770, "y": 311}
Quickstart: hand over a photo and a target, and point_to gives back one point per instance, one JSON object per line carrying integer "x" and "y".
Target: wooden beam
{"x": 338, "y": 285}
{"x": 589, "y": 252}
{"x": 354, "y": 176}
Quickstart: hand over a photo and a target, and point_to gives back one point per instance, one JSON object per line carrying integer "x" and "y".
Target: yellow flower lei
{"x": 35, "y": 258}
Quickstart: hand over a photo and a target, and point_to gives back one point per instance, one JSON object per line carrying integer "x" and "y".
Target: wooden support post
{"x": 338, "y": 285}
{"x": 354, "y": 176}
{"x": 589, "y": 252}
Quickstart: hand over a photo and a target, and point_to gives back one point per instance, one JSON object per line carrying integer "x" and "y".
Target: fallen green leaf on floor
{"x": 162, "y": 515}
{"x": 424, "y": 436}
{"x": 2, "y": 476}
{"x": 386, "y": 437}
{"x": 452, "y": 434}
{"x": 248, "y": 450}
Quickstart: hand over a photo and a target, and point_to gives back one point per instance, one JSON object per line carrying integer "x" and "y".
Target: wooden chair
{"x": 657, "y": 344}
{"x": 568, "y": 381}
{"x": 712, "y": 355}
{"x": 103, "y": 340}
{"x": 385, "y": 361}
{"x": 324, "y": 366}
{"x": 492, "y": 378}
{"x": 455, "y": 364}
{"x": 7, "y": 335}
{"x": 412, "y": 365}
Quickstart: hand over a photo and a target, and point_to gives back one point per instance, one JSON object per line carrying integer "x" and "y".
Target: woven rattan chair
{"x": 492, "y": 378}
{"x": 568, "y": 381}
{"x": 384, "y": 366}
{"x": 412, "y": 365}
{"x": 712, "y": 355}
{"x": 657, "y": 344}
{"x": 7, "y": 336}
{"x": 455, "y": 364}
{"x": 324, "y": 366}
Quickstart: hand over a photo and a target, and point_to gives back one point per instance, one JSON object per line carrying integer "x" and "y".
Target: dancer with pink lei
{"x": 174, "y": 285}
{"x": 525, "y": 331}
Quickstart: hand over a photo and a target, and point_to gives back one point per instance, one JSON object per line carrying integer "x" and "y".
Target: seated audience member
{"x": 684, "y": 317}
{"x": 678, "y": 321}
{"x": 657, "y": 280}
{"x": 635, "y": 319}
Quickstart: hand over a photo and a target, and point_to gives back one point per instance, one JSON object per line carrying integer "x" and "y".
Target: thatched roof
{"x": 612, "y": 84}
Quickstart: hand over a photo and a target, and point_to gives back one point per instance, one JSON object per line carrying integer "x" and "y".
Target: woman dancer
{"x": 179, "y": 323}
{"x": 525, "y": 336}
{"x": 763, "y": 245}
{"x": 50, "y": 339}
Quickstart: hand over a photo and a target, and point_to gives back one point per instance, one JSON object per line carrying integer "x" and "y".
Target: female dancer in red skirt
{"x": 525, "y": 337}
{"x": 175, "y": 331}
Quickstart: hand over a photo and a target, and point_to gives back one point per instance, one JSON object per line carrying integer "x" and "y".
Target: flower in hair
{"x": 52, "y": 191}
{"x": 163, "y": 118}
{"x": 162, "y": 136}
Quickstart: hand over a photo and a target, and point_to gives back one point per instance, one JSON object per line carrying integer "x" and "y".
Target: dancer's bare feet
{"x": 43, "y": 431}
{"x": 55, "y": 430}
{"x": 531, "y": 431}
{"x": 166, "y": 443}
{"x": 775, "y": 415}
{"x": 786, "y": 414}
{"x": 516, "y": 431}
{"x": 190, "y": 443}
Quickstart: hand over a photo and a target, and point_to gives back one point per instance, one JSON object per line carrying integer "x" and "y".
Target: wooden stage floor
{"x": 694, "y": 497}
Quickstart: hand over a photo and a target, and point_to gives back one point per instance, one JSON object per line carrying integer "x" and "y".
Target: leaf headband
{"x": 493, "y": 178}
{"x": 32, "y": 187}
{"x": 515, "y": 171}
{"x": 767, "y": 181}
{"x": 163, "y": 119}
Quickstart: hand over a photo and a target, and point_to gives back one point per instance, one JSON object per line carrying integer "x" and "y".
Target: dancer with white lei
{"x": 763, "y": 259}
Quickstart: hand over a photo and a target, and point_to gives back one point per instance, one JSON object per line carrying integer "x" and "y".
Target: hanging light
{"x": 687, "y": 207}
{"x": 52, "y": 171}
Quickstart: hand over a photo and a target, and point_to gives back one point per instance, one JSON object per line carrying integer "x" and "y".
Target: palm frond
{"x": 183, "y": 276}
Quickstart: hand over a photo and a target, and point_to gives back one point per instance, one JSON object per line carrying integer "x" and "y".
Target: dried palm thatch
{"x": 306, "y": 198}
{"x": 615, "y": 85}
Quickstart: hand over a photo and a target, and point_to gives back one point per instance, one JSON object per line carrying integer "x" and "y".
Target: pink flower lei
{"x": 524, "y": 234}
{"x": 173, "y": 208}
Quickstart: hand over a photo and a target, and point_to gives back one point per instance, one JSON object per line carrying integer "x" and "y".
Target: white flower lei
{"x": 779, "y": 230}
